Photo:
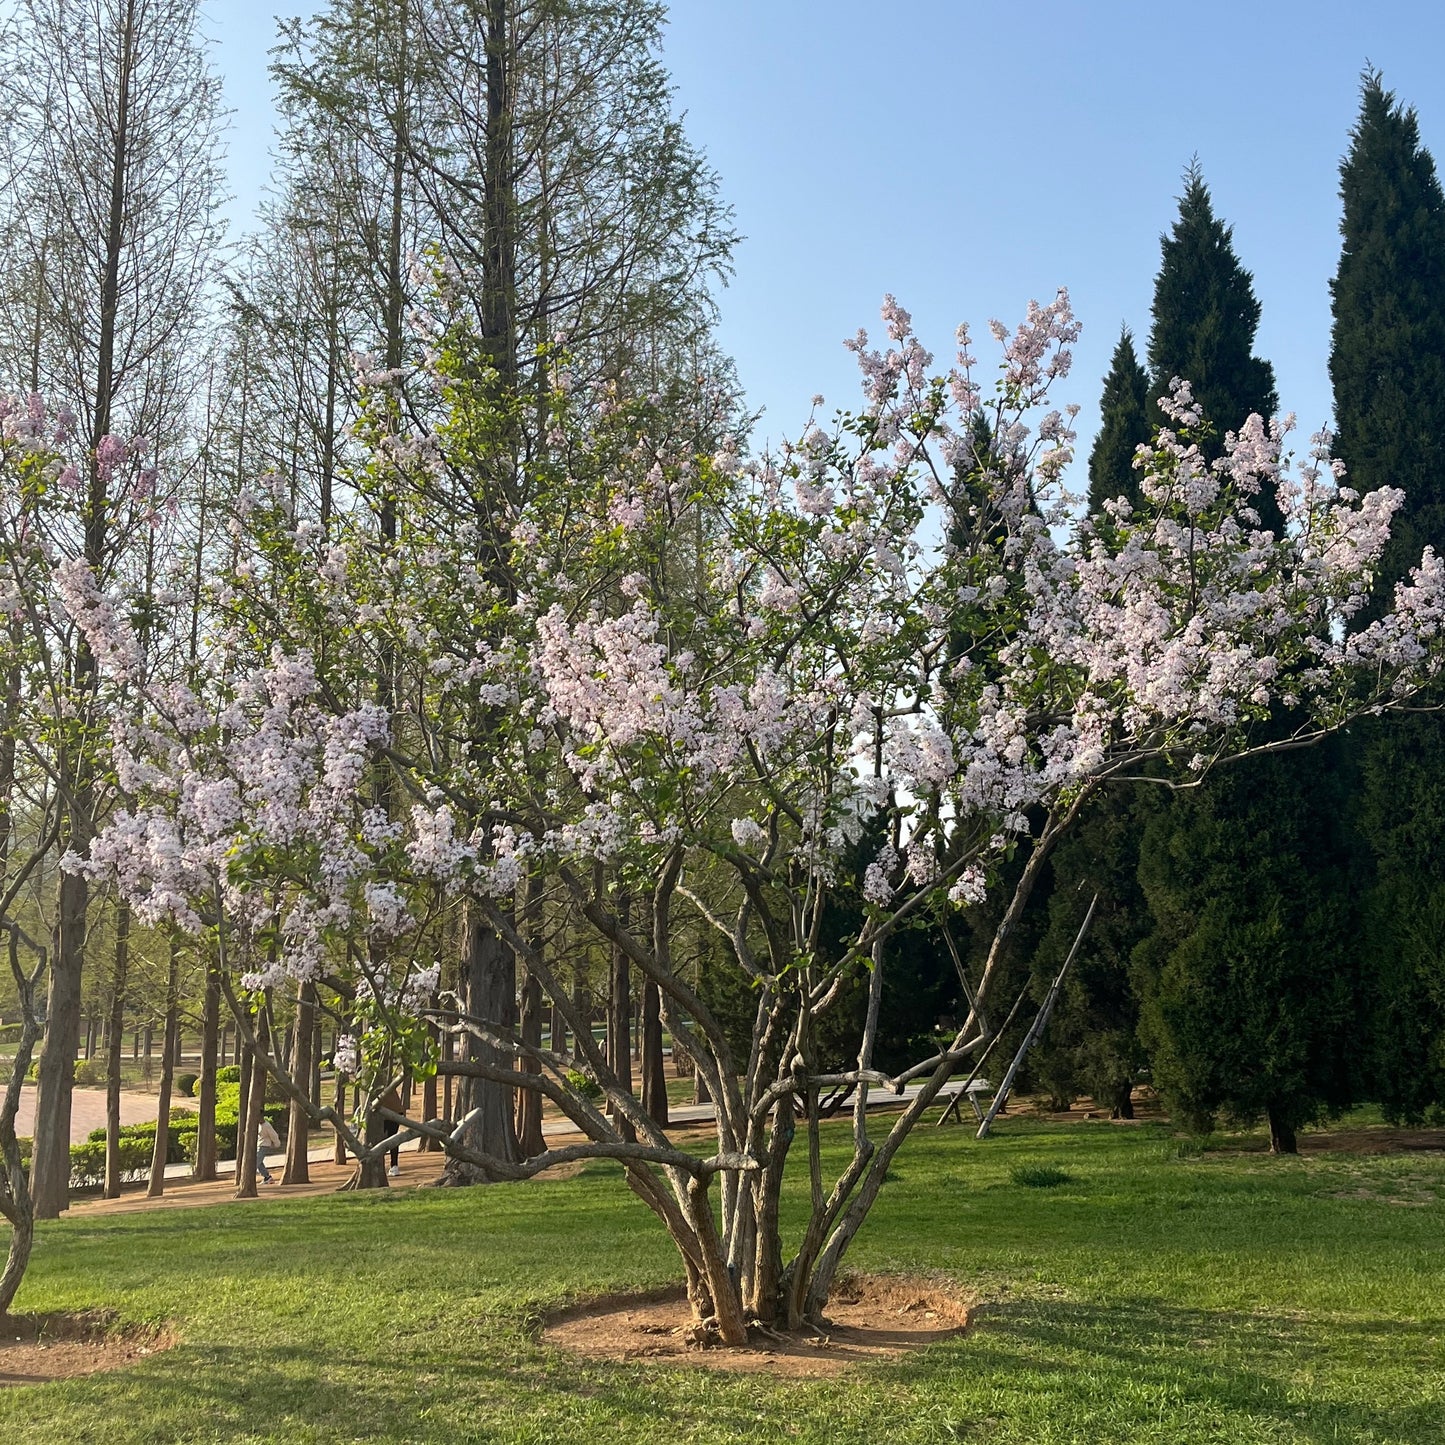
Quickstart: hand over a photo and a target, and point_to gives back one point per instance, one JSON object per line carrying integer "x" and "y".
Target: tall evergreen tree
{"x": 1246, "y": 975}
{"x": 1123, "y": 428}
{"x": 1091, "y": 1045}
{"x": 1387, "y": 364}
{"x": 1250, "y": 1006}
{"x": 1387, "y": 356}
{"x": 1205, "y": 316}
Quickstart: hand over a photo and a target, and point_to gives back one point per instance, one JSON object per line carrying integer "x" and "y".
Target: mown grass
{"x": 1149, "y": 1298}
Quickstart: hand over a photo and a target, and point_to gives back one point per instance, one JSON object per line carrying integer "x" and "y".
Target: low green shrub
{"x": 87, "y": 1161}
{"x": 231, "y": 1074}
{"x": 186, "y": 1083}
{"x": 181, "y": 1145}
{"x": 580, "y": 1084}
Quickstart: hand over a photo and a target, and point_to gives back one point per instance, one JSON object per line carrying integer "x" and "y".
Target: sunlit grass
{"x": 1217, "y": 1297}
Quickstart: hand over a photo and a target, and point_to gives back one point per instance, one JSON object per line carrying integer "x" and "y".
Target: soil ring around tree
{"x": 870, "y": 1318}
{"x": 35, "y": 1349}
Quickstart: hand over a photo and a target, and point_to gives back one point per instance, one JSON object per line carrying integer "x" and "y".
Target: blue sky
{"x": 970, "y": 156}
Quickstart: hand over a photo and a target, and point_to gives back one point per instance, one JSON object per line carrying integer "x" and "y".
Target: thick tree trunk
{"x": 297, "y": 1167}
{"x": 205, "y": 1165}
{"x": 530, "y": 1142}
{"x": 499, "y": 256}
{"x": 112, "y": 1053}
{"x": 55, "y": 1072}
{"x": 1124, "y": 1103}
{"x": 160, "y": 1154}
{"x": 253, "y": 1103}
{"x": 489, "y": 990}
{"x": 654, "y": 1076}
{"x": 1281, "y": 1134}
{"x": 370, "y": 1172}
{"x": 619, "y": 1018}
{"x": 557, "y": 1032}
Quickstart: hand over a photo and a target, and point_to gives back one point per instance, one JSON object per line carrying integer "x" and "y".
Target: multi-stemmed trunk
{"x": 17, "y": 1205}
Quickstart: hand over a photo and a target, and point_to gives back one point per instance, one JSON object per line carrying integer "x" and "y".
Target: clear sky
{"x": 969, "y": 156}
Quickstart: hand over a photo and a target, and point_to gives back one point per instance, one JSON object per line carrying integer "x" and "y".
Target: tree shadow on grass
{"x": 1037, "y": 1370}
{"x": 1135, "y": 1363}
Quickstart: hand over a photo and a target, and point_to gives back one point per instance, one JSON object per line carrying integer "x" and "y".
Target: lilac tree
{"x": 662, "y": 690}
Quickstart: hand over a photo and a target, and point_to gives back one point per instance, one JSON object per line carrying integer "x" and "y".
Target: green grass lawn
{"x": 1147, "y": 1297}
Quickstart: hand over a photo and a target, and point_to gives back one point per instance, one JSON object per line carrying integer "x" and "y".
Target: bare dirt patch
{"x": 870, "y": 1317}
{"x": 38, "y": 1348}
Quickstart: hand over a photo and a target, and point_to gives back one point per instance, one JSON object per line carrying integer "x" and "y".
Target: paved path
{"x": 87, "y": 1111}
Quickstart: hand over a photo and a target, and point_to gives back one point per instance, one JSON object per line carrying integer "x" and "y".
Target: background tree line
{"x": 1268, "y": 945}
{"x": 519, "y": 159}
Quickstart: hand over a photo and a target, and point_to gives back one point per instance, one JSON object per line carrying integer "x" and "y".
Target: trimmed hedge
{"x": 138, "y": 1141}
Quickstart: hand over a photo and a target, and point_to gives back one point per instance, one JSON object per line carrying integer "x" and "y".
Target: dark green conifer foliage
{"x": 1387, "y": 360}
{"x": 1124, "y": 427}
{"x": 1205, "y": 318}
{"x": 1249, "y": 1005}
{"x": 1247, "y": 975}
{"x": 1092, "y": 1045}
{"x": 1388, "y": 368}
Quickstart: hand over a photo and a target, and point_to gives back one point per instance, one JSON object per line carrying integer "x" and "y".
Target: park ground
{"x": 1161, "y": 1292}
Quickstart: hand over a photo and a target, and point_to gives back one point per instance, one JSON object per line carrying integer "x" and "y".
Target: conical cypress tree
{"x": 1238, "y": 874}
{"x": 1249, "y": 1004}
{"x": 1123, "y": 427}
{"x": 1387, "y": 358}
{"x": 1205, "y": 316}
{"x": 1387, "y": 364}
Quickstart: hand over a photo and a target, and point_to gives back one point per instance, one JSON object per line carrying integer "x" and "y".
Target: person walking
{"x": 266, "y": 1138}
{"x": 392, "y": 1100}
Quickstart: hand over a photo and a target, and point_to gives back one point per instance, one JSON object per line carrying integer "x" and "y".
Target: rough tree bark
{"x": 1282, "y": 1139}
{"x": 205, "y": 1165}
{"x": 488, "y": 993}
{"x": 160, "y": 1152}
{"x": 297, "y": 1169}
{"x": 619, "y": 1015}
{"x": 16, "y": 1204}
{"x": 530, "y": 1141}
{"x": 112, "y": 1052}
{"x": 654, "y": 1076}
{"x": 253, "y": 1101}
